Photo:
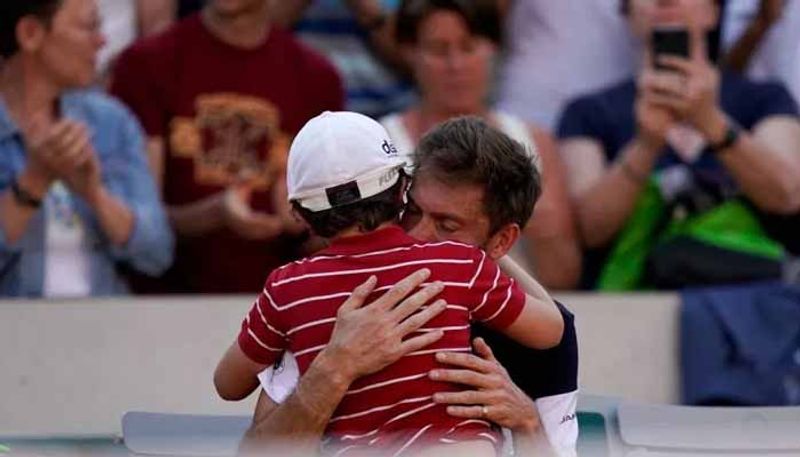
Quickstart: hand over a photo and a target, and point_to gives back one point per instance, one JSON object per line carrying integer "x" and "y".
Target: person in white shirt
{"x": 124, "y": 21}
{"x": 761, "y": 38}
{"x": 556, "y": 50}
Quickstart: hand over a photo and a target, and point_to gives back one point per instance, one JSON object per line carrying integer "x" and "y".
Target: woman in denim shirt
{"x": 76, "y": 196}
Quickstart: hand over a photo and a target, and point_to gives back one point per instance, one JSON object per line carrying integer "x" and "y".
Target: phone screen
{"x": 669, "y": 41}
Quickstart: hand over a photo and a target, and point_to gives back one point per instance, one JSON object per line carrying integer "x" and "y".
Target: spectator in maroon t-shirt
{"x": 220, "y": 94}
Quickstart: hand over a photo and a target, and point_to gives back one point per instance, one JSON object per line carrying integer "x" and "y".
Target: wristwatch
{"x": 732, "y": 132}
{"x": 23, "y": 197}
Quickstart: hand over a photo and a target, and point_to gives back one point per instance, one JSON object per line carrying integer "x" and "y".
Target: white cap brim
{"x": 351, "y": 192}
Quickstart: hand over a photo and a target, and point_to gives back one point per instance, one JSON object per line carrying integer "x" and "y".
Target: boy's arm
{"x": 540, "y": 325}
{"x": 260, "y": 343}
{"x": 525, "y": 280}
{"x": 236, "y": 375}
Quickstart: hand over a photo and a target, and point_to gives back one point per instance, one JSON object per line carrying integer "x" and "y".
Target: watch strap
{"x": 23, "y": 197}
{"x": 732, "y": 132}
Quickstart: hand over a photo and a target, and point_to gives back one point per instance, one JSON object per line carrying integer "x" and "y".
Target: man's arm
{"x": 364, "y": 340}
{"x": 296, "y": 426}
{"x": 765, "y": 162}
{"x": 605, "y": 194}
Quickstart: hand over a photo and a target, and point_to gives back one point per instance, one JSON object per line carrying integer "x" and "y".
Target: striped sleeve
{"x": 501, "y": 299}
{"x": 261, "y": 338}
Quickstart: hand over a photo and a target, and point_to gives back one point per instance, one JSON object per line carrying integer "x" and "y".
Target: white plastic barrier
{"x": 74, "y": 367}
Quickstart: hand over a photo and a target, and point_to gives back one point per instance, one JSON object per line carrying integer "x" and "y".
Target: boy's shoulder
{"x": 448, "y": 248}
{"x": 413, "y": 249}
{"x": 289, "y": 270}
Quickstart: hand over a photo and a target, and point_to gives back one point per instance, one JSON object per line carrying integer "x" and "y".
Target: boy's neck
{"x": 356, "y": 231}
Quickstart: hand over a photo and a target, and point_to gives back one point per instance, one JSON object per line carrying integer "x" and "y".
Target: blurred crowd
{"x": 143, "y": 143}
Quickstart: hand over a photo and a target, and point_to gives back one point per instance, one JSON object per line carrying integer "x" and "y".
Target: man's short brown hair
{"x": 466, "y": 150}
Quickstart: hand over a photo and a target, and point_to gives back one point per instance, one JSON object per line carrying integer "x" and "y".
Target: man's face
{"x": 438, "y": 211}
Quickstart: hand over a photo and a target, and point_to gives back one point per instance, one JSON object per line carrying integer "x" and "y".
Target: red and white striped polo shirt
{"x": 392, "y": 408}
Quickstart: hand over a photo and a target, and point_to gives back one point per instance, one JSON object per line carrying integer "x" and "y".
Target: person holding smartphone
{"x": 694, "y": 132}
{"x": 76, "y": 197}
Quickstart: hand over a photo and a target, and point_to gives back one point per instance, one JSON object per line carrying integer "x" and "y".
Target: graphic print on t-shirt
{"x": 232, "y": 138}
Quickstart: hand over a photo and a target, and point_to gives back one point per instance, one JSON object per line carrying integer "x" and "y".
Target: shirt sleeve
{"x": 261, "y": 337}
{"x": 8, "y": 251}
{"x": 558, "y": 415}
{"x": 581, "y": 118}
{"x": 775, "y": 100}
{"x": 501, "y": 299}
{"x": 150, "y": 247}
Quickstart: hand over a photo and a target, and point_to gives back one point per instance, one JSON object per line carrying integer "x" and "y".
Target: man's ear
{"x": 30, "y": 33}
{"x": 502, "y": 241}
{"x": 405, "y": 186}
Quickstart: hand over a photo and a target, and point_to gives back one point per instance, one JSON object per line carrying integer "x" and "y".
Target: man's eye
{"x": 447, "y": 227}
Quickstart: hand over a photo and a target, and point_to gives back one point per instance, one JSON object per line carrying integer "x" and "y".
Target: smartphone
{"x": 673, "y": 41}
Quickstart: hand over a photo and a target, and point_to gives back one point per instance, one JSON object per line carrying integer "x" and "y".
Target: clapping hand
{"x": 64, "y": 151}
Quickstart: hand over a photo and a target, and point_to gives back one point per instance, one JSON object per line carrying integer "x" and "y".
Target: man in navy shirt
{"x": 731, "y": 137}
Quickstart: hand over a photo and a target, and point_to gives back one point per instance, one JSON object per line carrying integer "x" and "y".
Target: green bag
{"x": 732, "y": 225}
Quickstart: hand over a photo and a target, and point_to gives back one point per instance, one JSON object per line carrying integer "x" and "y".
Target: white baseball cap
{"x": 339, "y": 158}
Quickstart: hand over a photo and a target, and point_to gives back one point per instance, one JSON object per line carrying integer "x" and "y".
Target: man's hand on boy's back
{"x": 367, "y": 338}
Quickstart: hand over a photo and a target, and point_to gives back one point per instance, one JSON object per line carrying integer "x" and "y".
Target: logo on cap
{"x": 389, "y": 148}
{"x": 388, "y": 178}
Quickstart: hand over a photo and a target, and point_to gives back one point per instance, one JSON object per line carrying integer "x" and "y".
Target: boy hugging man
{"x": 347, "y": 182}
